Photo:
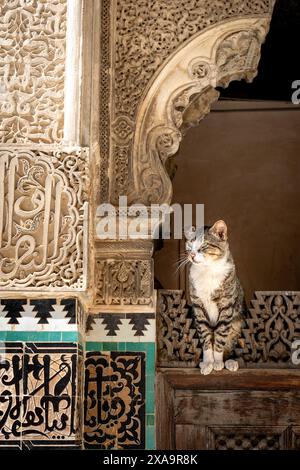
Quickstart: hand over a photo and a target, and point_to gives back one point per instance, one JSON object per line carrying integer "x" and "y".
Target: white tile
{"x": 97, "y": 333}
{"x": 150, "y": 333}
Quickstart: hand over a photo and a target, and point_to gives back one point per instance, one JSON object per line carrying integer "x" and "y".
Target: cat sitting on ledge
{"x": 216, "y": 294}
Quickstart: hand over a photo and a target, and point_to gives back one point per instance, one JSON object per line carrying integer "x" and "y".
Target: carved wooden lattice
{"x": 178, "y": 343}
{"x": 269, "y": 335}
{"x": 271, "y": 328}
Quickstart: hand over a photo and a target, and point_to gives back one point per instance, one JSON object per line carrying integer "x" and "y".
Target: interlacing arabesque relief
{"x": 32, "y": 70}
{"x": 178, "y": 342}
{"x": 124, "y": 276}
{"x": 43, "y": 218}
{"x": 145, "y": 38}
{"x": 124, "y": 282}
{"x": 233, "y": 57}
{"x": 160, "y": 68}
{"x": 271, "y": 326}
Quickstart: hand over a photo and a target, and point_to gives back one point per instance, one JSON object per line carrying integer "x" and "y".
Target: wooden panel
{"x": 244, "y": 379}
{"x": 295, "y": 436}
{"x": 248, "y": 437}
{"x": 238, "y": 408}
{"x": 165, "y": 433}
{"x": 246, "y": 410}
{"x": 191, "y": 437}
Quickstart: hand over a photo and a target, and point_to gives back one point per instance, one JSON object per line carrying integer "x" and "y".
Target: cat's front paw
{"x": 218, "y": 365}
{"x": 206, "y": 367}
{"x": 232, "y": 365}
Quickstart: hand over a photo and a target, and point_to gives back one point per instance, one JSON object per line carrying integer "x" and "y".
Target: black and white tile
{"x": 40, "y": 399}
{"x": 121, "y": 327}
{"x": 41, "y": 315}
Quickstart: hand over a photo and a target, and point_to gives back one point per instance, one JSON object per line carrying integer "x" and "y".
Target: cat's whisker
{"x": 182, "y": 264}
{"x": 180, "y": 259}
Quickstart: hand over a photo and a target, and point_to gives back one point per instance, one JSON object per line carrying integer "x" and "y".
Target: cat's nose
{"x": 193, "y": 255}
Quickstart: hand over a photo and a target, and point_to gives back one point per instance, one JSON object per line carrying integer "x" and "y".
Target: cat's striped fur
{"x": 216, "y": 295}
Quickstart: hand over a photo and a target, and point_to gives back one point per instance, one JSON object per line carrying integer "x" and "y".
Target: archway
{"x": 182, "y": 94}
{"x": 174, "y": 90}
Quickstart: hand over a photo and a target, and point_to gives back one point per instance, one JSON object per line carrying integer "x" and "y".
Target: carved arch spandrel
{"x": 182, "y": 93}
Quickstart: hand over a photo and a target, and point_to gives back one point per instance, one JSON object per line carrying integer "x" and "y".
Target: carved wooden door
{"x": 255, "y": 408}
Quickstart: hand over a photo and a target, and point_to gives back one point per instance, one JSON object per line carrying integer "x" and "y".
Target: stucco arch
{"x": 182, "y": 92}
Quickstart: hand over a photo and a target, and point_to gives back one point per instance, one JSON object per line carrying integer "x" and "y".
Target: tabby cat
{"x": 216, "y": 294}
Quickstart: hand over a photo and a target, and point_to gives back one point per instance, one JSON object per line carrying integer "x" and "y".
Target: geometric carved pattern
{"x": 114, "y": 404}
{"x": 32, "y": 38}
{"x": 271, "y": 328}
{"x": 126, "y": 282}
{"x": 104, "y": 85}
{"x": 39, "y": 394}
{"x": 226, "y": 438}
{"x": 177, "y": 338}
{"x": 42, "y": 218}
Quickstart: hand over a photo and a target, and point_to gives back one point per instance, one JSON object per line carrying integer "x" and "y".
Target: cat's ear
{"x": 190, "y": 233}
{"x": 219, "y": 229}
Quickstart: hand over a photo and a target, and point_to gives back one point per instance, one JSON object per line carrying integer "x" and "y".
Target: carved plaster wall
{"x": 32, "y": 70}
{"x": 124, "y": 277}
{"x": 44, "y": 170}
{"x": 94, "y": 97}
{"x": 138, "y": 43}
{"x": 229, "y": 51}
{"x": 160, "y": 67}
{"x": 43, "y": 199}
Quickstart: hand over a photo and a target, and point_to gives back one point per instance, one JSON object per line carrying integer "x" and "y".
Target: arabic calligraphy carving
{"x": 32, "y": 69}
{"x": 39, "y": 393}
{"x": 114, "y": 407}
{"x": 42, "y": 218}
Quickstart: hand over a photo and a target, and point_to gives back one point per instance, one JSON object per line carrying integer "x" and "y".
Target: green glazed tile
{"x": 149, "y": 402}
{"x": 93, "y": 346}
{"x": 150, "y": 419}
{"x": 132, "y": 347}
{"x": 150, "y": 437}
{"x": 150, "y": 364}
{"x": 56, "y": 336}
{"x": 110, "y": 346}
{"x": 150, "y": 382}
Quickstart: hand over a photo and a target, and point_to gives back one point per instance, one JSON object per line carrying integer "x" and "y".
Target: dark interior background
{"x": 280, "y": 58}
{"x": 243, "y": 163}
